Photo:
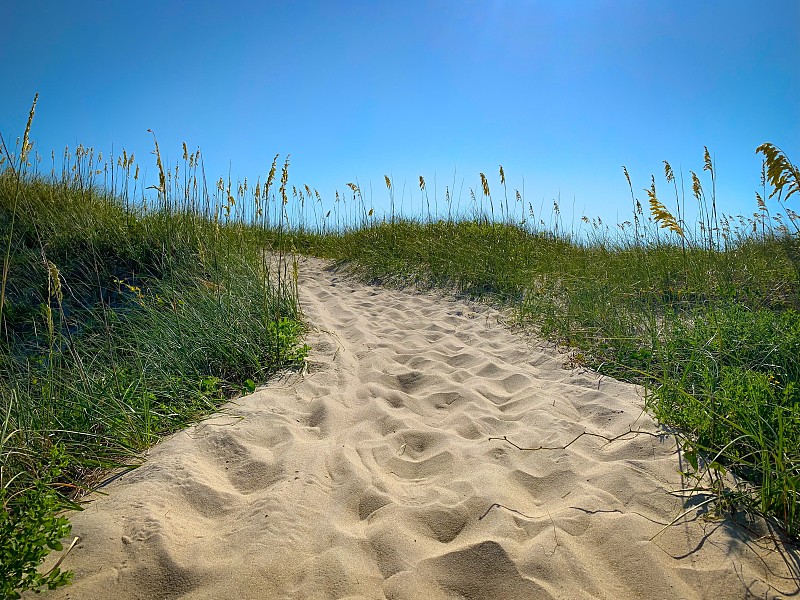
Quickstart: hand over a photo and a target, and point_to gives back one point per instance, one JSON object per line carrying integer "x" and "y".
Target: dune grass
{"x": 127, "y": 313}
{"x": 702, "y": 313}
{"x": 122, "y": 320}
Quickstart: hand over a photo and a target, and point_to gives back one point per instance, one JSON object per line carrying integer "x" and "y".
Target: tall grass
{"x": 703, "y": 313}
{"x": 124, "y": 315}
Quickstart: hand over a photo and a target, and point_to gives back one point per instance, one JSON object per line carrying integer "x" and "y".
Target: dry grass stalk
{"x": 660, "y": 212}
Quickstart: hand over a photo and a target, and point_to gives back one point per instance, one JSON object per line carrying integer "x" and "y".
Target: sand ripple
{"x": 374, "y": 476}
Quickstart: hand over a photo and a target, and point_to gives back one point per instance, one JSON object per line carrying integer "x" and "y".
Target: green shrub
{"x": 30, "y": 528}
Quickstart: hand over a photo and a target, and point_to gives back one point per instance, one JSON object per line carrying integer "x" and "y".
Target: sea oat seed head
{"x": 780, "y": 172}
{"x": 660, "y": 213}
{"x": 25, "y": 137}
{"x": 697, "y": 188}
{"x": 761, "y": 204}
{"x": 485, "y": 185}
{"x": 668, "y": 172}
{"x": 707, "y": 166}
{"x": 625, "y": 171}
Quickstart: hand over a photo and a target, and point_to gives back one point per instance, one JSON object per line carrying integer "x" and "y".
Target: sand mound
{"x": 393, "y": 469}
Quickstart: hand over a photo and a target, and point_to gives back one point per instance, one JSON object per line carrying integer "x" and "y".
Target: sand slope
{"x": 373, "y": 476}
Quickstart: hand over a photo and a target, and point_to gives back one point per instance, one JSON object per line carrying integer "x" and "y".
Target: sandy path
{"x": 373, "y": 476}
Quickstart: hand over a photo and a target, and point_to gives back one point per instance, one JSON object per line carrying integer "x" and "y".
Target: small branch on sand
{"x": 579, "y": 436}
{"x": 496, "y": 505}
{"x": 552, "y": 522}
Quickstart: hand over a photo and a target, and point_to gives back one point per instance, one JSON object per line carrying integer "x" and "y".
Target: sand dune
{"x": 393, "y": 469}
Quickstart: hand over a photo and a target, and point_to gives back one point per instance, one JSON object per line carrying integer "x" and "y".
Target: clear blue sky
{"x": 562, "y": 92}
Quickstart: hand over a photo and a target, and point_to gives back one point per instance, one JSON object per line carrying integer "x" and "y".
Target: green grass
{"x": 705, "y": 315}
{"x": 122, "y": 320}
{"x": 125, "y": 314}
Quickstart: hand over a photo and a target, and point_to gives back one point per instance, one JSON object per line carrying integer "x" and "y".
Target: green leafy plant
{"x": 30, "y": 527}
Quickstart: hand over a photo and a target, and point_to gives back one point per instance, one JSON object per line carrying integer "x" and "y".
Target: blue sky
{"x": 561, "y": 93}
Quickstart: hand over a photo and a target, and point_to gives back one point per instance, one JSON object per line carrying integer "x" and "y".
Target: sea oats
{"x": 271, "y": 175}
{"x": 697, "y": 188}
{"x": 162, "y": 180}
{"x": 25, "y": 138}
{"x": 761, "y": 204}
{"x": 661, "y": 215}
{"x": 668, "y": 172}
{"x": 628, "y": 177}
{"x": 707, "y": 165}
{"x": 284, "y": 180}
{"x": 780, "y": 172}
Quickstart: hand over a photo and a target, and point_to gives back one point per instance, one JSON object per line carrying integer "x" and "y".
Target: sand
{"x": 392, "y": 469}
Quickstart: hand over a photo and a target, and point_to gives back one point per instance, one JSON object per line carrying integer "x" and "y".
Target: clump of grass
{"x": 123, "y": 317}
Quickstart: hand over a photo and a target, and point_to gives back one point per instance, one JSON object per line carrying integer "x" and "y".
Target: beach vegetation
{"x": 700, "y": 307}
{"x": 128, "y": 311}
{"x": 125, "y": 314}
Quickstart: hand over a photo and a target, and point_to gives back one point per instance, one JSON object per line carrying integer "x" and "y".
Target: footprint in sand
{"x": 373, "y": 476}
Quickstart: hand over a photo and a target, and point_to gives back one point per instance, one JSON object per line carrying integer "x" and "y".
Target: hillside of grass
{"x": 120, "y": 322}
{"x": 705, "y": 314}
